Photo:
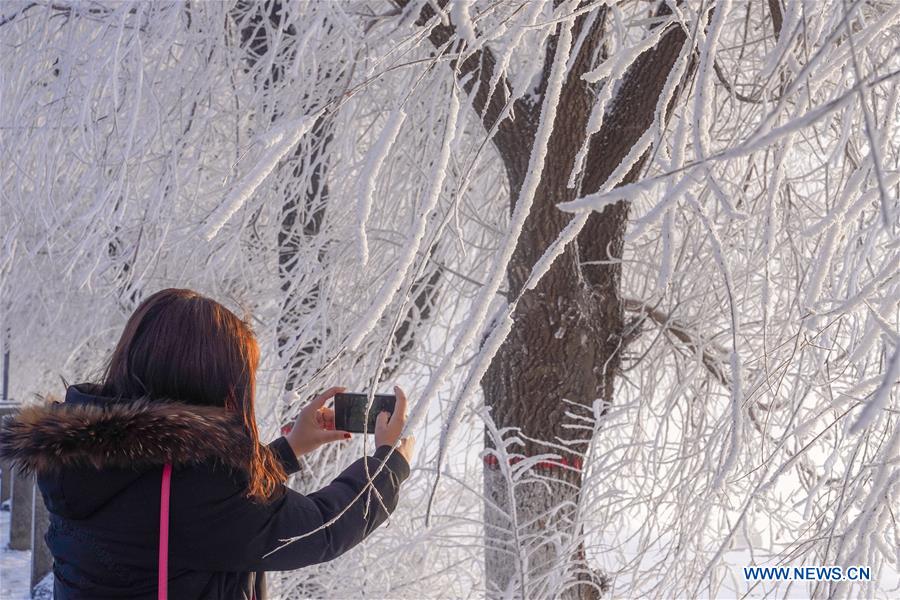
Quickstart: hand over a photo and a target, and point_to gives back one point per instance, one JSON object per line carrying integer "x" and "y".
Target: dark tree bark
{"x": 567, "y": 334}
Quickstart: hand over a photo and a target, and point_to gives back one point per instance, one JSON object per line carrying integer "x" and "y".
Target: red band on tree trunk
{"x": 491, "y": 461}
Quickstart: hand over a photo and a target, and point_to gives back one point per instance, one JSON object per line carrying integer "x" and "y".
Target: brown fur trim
{"x": 139, "y": 433}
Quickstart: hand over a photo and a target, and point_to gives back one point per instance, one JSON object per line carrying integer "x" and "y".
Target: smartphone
{"x": 350, "y": 411}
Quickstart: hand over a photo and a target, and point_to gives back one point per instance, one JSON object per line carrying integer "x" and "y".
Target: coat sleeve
{"x": 225, "y": 531}
{"x": 285, "y": 455}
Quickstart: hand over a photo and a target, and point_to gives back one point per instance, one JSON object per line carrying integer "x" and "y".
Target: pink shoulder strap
{"x": 164, "y": 532}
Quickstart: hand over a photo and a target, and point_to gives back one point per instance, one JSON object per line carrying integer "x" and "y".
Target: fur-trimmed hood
{"x": 89, "y": 448}
{"x": 92, "y": 430}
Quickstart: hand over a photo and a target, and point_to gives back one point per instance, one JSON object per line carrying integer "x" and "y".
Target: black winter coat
{"x": 99, "y": 467}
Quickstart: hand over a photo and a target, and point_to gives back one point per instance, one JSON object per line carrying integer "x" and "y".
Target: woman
{"x": 179, "y": 390}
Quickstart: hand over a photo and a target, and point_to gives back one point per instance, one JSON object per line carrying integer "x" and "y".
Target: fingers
{"x": 327, "y": 418}
{"x": 326, "y": 436}
{"x": 327, "y": 395}
{"x": 381, "y": 421}
{"x": 399, "y": 416}
{"x": 407, "y": 448}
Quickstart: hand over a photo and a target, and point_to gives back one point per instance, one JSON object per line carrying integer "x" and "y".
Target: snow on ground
{"x": 15, "y": 565}
{"x": 15, "y": 568}
{"x": 44, "y": 589}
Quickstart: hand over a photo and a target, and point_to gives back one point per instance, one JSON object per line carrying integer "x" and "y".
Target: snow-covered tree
{"x": 648, "y": 250}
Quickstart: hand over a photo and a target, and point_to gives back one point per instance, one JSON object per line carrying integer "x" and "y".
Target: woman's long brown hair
{"x": 183, "y": 346}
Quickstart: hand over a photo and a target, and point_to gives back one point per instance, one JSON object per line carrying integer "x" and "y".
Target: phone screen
{"x": 350, "y": 411}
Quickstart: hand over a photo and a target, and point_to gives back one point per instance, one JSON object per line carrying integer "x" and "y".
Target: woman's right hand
{"x": 388, "y": 428}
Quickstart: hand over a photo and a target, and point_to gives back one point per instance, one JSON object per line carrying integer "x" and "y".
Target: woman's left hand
{"x": 315, "y": 425}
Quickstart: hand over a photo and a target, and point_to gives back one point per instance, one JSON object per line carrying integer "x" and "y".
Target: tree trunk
{"x": 564, "y": 344}
{"x": 566, "y": 338}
